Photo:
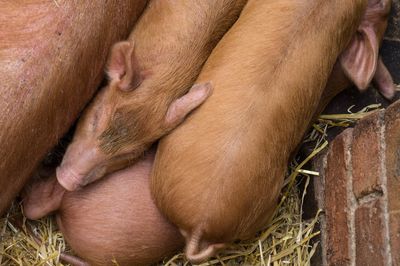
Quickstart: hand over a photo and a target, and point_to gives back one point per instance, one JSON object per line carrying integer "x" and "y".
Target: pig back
{"x": 115, "y": 218}
{"x": 51, "y": 58}
{"x": 220, "y": 172}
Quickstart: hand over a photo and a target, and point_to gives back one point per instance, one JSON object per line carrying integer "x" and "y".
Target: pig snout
{"x": 69, "y": 179}
{"x": 80, "y": 166}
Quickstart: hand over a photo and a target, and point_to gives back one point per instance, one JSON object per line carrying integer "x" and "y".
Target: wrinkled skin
{"x": 150, "y": 86}
{"x": 269, "y": 73}
{"x": 51, "y": 58}
{"x": 114, "y": 218}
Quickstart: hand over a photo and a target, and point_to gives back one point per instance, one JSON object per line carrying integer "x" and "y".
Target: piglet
{"x": 149, "y": 91}
{"x": 112, "y": 219}
{"x": 218, "y": 176}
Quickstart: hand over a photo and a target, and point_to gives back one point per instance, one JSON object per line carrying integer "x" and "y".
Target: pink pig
{"x": 114, "y": 218}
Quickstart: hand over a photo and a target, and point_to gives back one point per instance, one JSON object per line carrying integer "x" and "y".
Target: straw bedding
{"x": 287, "y": 240}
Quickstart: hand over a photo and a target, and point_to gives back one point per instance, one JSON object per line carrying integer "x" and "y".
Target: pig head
{"x": 150, "y": 87}
{"x": 120, "y": 124}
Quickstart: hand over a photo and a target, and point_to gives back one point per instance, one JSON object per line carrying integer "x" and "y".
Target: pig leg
{"x": 42, "y": 197}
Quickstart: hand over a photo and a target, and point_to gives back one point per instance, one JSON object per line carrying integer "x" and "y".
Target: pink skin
{"x": 52, "y": 56}
{"x": 113, "y": 218}
{"x": 150, "y": 89}
{"x": 360, "y": 60}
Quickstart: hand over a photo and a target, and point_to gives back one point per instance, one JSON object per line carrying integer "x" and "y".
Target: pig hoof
{"x": 67, "y": 179}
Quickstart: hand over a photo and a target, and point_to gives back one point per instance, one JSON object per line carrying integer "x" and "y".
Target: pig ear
{"x": 42, "y": 197}
{"x": 359, "y": 60}
{"x": 181, "y": 107}
{"x": 123, "y": 66}
{"x": 383, "y": 81}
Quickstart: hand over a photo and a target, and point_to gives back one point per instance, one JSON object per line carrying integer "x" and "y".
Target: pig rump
{"x": 115, "y": 219}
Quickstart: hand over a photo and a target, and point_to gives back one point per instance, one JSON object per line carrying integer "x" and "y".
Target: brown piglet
{"x": 112, "y": 219}
{"x": 218, "y": 176}
{"x": 149, "y": 91}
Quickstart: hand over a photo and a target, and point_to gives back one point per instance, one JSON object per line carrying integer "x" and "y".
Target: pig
{"x": 52, "y": 55}
{"x": 217, "y": 176}
{"x": 150, "y": 86}
{"x": 114, "y": 218}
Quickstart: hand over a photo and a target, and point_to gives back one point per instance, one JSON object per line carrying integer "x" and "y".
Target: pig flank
{"x": 150, "y": 77}
{"x": 51, "y": 58}
{"x": 218, "y": 175}
{"x": 114, "y": 218}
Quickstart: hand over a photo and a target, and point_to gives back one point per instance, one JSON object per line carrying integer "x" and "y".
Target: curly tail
{"x": 199, "y": 250}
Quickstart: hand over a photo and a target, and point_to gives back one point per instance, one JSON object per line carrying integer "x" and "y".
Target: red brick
{"x": 319, "y": 183}
{"x": 336, "y": 178}
{"x": 366, "y": 155}
{"x": 370, "y": 232}
{"x": 392, "y": 138}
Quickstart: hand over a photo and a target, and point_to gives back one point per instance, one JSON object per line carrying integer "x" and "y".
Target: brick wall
{"x": 359, "y": 192}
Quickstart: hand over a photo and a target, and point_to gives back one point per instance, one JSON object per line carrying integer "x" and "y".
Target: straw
{"x": 287, "y": 239}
